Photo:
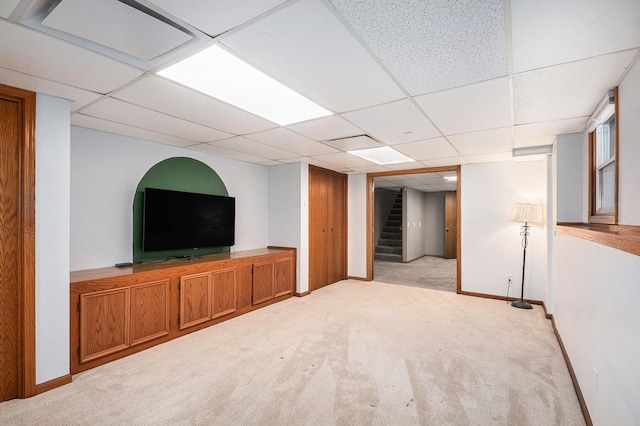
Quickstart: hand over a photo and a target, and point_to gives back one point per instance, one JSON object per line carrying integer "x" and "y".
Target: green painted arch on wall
{"x": 176, "y": 174}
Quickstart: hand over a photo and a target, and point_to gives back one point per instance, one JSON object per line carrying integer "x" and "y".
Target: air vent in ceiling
{"x": 117, "y": 26}
{"x": 354, "y": 142}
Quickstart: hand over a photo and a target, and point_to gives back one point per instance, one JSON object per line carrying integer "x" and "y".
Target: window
{"x": 603, "y": 146}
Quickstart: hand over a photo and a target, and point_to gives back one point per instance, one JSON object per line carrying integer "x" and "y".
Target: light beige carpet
{"x": 426, "y": 272}
{"x": 352, "y": 353}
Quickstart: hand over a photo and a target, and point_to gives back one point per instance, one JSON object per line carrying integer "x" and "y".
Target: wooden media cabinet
{"x": 115, "y": 312}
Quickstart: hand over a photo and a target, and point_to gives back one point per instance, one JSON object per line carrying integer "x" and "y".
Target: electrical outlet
{"x": 509, "y": 278}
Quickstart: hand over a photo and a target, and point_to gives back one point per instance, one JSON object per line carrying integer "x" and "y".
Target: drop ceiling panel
{"x": 539, "y": 134}
{"x": 289, "y": 141}
{"x": 164, "y": 96}
{"x": 116, "y": 25}
{"x": 543, "y": 34}
{"x": 7, "y": 6}
{"x": 250, "y": 147}
{"x": 122, "y": 129}
{"x": 486, "y": 141}
{"x": 343, "y": 160}
{"x": 227, "y": 153}
{"x": 41, "y": 55}
{"x": 405, "y": 166}
{"x": 427, "y": 150}
{"x": 466, "y": 109}
{"x": 375, "y": 168}
{"x": 433, "y": 45}
{"x": 133, "y": 115}
{"x": 393, "y": 123}
{"x": 326, "y": 128}
{"x": 489, "y": 158}
{"x": 441, "y": 162}
{"x": 308, "y": 48}
{"x": 216, "y": 17}
{"x": 355, "y": 142}
{"x": 567, "y": 91}
{"x": 78, "y": 97}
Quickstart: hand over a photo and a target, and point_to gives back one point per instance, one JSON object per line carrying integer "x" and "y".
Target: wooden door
{"x": 104, "y": 323}
{"x": 224, "y": 297}
{"x": 317, "y": 229}
{"x": 149, "y": 311}
{"x": 336, "y": 203}
{"x": 195, "y": 299}
{"x": 451, "y": 225}
{"x": 17, "y": 243}
{"x": 263, "y": 282}
{"x": 9, "y": 238}
{"x": 284, "y": 278}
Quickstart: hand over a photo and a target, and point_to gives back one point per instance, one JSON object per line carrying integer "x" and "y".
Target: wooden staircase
{"x": 389, "y": 247}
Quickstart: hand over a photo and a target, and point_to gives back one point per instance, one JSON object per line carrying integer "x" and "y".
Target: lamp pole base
{"x": 521, "y": 304}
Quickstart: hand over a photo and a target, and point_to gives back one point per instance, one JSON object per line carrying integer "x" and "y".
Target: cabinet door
{"x": 104, "y": 323}
{"x": 195, "y": 299}
{"x": 283, "y": 276}
{"x": 263, "y": 282}
{"x": 224, "y": 292}
{"x": 149, "y": 311}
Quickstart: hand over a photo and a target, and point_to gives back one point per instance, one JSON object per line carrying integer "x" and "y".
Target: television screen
{"x": 184, "y": 220}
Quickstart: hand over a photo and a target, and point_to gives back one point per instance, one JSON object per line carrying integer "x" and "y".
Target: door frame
{"x": 370, "y": 218}
{"x": 26, "y": 251}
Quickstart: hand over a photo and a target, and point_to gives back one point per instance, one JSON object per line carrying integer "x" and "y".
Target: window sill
{"x": 621, "y": 237}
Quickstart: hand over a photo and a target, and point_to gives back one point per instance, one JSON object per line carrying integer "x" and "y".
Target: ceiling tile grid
{"x": 486, "y": 141}
{"x": 305, "y": 45}
{"x": 289, "y": 141}
{"x": 248, "y": 146}
{"x": 432, "y": 45}
{"x": 479, "y": 106}
{"x": 427, "y": 150}
{"x": 569, "y": 90}
{"x": 326, "y": 128}
{"x": 125, "y": 113}
{"x": 551, "y": 32}
{"x": 167, "y": 97}
{"x": 33, "y": 53}
{"x": 394, "y": 123}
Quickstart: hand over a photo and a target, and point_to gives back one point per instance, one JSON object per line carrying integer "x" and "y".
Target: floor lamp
{"x": 527, "y": 213}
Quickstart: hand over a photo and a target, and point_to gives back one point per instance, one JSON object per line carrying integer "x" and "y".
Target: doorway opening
{"x": 414, "y": 236}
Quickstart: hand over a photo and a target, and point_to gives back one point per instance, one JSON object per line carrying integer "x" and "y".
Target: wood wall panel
{"x": 263, "y": 282}
{"x": 104, "y": 323}
{"x": 224, "y": 289}
{"x": 284, "y": 276}
{"x": 149, "y": 311}
{"x": 195, "y": 299}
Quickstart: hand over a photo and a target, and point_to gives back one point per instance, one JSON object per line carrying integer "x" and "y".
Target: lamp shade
{"x": 525, "y": 212}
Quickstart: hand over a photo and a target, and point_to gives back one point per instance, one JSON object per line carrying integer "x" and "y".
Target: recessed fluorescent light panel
{"x": 218, "y": 73}
{"x": 383, "y": 155}
{"x": 451, "y": 178}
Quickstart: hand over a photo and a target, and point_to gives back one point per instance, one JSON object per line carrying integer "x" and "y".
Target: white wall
{"x": 491, "y": 243}
{"x": 414, "y": 231}
{"x": 357, "y": 225}
{"x": 52, "y": 238}
{"x": 569, "y": 152}
{"x": 595, "y": 309}
{"x": 288, "y": 211}
{"x": 105, "y": 171}
{"x": 434, "y": 223}
{"x": 629, "y": 147}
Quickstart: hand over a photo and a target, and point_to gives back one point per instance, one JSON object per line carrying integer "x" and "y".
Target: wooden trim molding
{"x": 52, "y": 384}
{"x": 350, "y": 277}
{"x": 302, "y": 294}
{"x": 621, "y": 237}
{"x": 498, "y": 297}
{"x": 576, "y": 386}
{"x": 26, "y": 257}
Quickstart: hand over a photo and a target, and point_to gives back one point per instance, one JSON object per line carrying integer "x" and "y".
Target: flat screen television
{"x": 175, "y": 220}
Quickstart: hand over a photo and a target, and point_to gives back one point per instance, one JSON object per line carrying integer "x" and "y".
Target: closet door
{"x": 327, "y": 227}
{"x": 317, "y": 229}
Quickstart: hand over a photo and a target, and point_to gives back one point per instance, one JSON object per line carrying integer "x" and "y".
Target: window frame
{"x": 609, "y": 217}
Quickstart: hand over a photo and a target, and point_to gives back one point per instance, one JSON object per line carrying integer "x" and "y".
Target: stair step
{"x": 395, "y": 217}
{"x": 389, "y": 250}
{"x": 392, "y": 229}
{"x": 396, "y": 223}
{"x": 390, "y": 243}
{"x": 388, "y": 257}
{"x": 391, "y": 236}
